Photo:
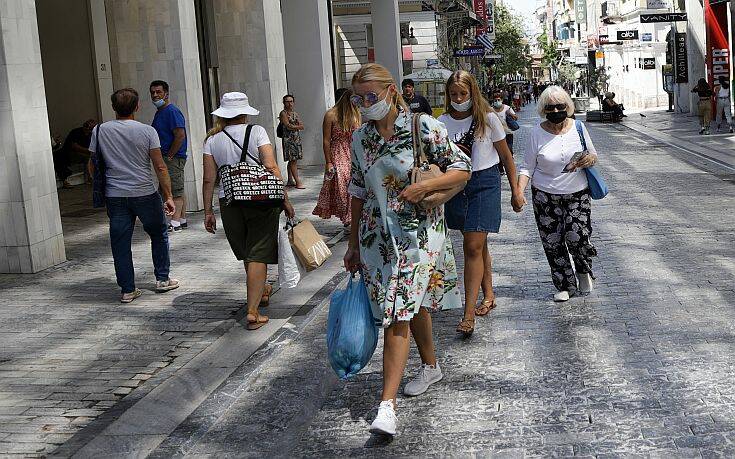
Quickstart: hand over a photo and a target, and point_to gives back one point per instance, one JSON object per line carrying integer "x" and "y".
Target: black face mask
{"x": 556, "y": 117}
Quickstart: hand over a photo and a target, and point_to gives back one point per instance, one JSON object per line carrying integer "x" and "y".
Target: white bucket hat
{"x": 234, "y": 104}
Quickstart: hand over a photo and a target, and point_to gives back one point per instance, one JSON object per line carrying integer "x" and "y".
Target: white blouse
{"x": 547, "y": 154}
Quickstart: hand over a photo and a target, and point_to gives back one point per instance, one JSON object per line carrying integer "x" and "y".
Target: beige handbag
{"x": 422, "y": 170}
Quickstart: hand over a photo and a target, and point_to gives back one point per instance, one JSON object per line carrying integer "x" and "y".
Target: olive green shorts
{"x": 176, "y": 172}
{"x": 252, "y": 232}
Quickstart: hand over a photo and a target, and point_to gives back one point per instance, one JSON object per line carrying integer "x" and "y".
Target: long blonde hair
{"x": 219, "y": 125}
{"x": 480, "y": 107}
{"x": 348, "y": 116}
{"x": 380, "y": 74}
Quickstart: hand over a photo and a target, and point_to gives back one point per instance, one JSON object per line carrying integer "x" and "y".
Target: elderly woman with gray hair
{"x": 557, "y": 151}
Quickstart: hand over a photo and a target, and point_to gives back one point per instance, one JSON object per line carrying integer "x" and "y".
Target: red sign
{"x": 718, "y": 48}
{"x": 481, "y": 12}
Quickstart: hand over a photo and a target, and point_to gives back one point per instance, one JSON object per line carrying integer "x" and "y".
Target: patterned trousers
{"x": 565, "y": 228}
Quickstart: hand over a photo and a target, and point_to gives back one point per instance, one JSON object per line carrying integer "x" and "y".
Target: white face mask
{"x": 463, "y": 107}
{"x": 377, "y": 111}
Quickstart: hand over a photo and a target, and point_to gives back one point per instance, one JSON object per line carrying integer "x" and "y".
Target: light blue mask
{"x": 159, "y": 103}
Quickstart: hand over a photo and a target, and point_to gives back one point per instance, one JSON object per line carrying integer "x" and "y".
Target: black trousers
{"x": 565, "y": 226}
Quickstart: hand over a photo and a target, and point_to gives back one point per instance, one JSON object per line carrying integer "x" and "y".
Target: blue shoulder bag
{"x": 598, "y": 187}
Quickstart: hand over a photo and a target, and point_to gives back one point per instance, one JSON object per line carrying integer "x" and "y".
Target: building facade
{"x": 60, "y": 61}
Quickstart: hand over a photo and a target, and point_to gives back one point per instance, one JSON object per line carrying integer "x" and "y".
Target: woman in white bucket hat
{"x": 251, "y": 231}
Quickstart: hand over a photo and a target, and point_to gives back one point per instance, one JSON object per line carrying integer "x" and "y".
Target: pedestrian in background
{"x": 504, "y": 111}
{"x": 170, "y": 125}
{"x": 416, "y": 102}
{"x": 475, "y": 211}
{"x": 128, "y": 148}
{"x": 553, "y": 163}
{"x": 403, "y": 251}
{"x": 338, "y": 125}
{"x": 704, "y": 107}
{"x": 292, "y": 149}
{"x": 722, "y": 89}
{"x": 251, "y": 228}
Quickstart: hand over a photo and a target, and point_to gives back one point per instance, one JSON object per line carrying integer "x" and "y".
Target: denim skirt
{"x": 477, "y": 207}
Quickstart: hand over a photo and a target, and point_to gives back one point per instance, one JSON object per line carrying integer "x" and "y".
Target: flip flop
{"x": 258, "y": 322}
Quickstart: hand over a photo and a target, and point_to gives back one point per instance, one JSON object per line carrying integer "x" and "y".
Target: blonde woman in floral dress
{"x": 404, "y": 252}
{"x": 339, "y": 123}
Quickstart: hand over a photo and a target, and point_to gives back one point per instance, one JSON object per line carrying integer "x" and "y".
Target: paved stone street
{"x": 69, "y": 351}
{"x": 643, "y": 366}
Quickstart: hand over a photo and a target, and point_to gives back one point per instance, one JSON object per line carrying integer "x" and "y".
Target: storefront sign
{"x": 604, "y": 39}
{"x": 470, "y": 52}
{"x": 646, "y": 37}
{"x": 649, "y": 63}
{"x": 681, "y": 61}
{"x": 627, "y": 35}
{"x": 663, "y": 17}
{"x": 490, "y": 17}
{"x": 657, "y": 5}
{"x": 718, "y": 47}
{"x": 480, "y": 11}
{"x": 580, "y": 9}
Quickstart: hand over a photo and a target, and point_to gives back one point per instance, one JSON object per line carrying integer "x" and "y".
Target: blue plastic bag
{"x": 352, "y": 333}
{"x": 598, "y": 187}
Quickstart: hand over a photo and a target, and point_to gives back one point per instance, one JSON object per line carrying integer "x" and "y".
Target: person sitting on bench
{"x": 609, "y": 105}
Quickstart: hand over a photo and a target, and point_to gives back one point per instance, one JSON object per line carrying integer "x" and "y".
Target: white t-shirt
{"x": 484, "y": 155}
{"x": 502, "y": 115}
{"x": 224, "y": 151}
{"x": 723, "y": 93}
{"x": 546, "y": 155}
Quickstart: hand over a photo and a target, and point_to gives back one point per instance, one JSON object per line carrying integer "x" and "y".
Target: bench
{"x": 599, "y": 115}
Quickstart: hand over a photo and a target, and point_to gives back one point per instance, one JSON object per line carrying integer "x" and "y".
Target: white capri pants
{"x": 723, "y": 106}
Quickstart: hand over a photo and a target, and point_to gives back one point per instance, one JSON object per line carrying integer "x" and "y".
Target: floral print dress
{"x": 407, "y": 256}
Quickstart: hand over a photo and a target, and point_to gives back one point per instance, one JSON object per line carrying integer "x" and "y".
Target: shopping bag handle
{"x": 291, "y": 223}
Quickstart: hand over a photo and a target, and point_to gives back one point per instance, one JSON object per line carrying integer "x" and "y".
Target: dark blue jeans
{"x": 122, "y": 213}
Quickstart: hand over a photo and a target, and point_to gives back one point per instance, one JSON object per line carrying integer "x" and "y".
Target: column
{"x": 251, "y": 57}
{"x": 309, "y": 68}
{"x": 158, "y": 41}
{"x": 30, "y": 225}
{"x": 387, "y": 36}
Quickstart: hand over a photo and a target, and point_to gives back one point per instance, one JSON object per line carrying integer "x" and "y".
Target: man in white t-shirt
{"x": 127, "y": 148}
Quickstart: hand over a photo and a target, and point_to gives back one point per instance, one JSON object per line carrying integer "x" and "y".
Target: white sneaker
{"x": 165, "y": 286}
{"x": 427, "y": 376}
{"x": 585, "y": 282}
{"x": 385, "y": 421}
{"x": 561, "y": 296}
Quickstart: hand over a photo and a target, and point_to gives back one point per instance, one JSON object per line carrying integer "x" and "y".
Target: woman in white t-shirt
{"x": 553, "y": 163}
{"x": 251, "y": 230}
{"x": 475, "y": 211}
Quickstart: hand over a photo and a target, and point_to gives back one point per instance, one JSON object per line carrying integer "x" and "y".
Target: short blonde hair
{"x": 554, "y": 94}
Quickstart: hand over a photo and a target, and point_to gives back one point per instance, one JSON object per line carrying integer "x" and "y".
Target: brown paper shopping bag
{"x": 308, "y": 245}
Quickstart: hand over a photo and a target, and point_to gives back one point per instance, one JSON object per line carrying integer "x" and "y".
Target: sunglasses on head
{"x": 551, "y": 107}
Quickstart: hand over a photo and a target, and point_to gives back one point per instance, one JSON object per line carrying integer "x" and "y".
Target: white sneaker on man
{"x": 165, "y": 286}
{"x": 427, "y": 376}
{"x": 561, "y": 296}
{"x": 385, "y": 421}
{"x": 585, "y": 282}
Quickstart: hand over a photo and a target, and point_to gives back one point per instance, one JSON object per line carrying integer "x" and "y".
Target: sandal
{"x": 266, "y": 298}
{"x": 256, "y": 321}
{"x": 485, "y": 307}
{"x": 466, "y": 327}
